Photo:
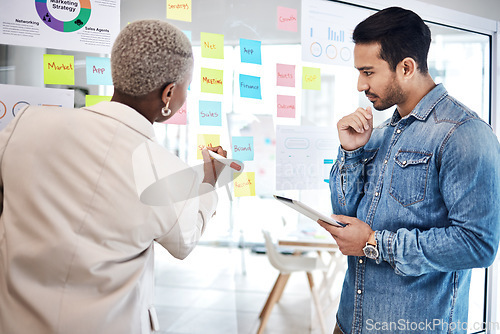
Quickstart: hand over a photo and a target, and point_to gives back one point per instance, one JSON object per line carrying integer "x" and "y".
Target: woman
{"x": 76, "y": 241}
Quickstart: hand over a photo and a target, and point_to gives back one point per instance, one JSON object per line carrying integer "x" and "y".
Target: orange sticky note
{"x": 205, "y": 140}
{"x": 244, "y": 184}
{"x": 179, "y": 10}
{"x": 311, "y": 78}
{"x": 212, "y": 45}
{"x": 58, "y": 70}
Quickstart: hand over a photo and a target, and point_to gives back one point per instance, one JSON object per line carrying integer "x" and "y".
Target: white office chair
{"x": 286, "y": 265}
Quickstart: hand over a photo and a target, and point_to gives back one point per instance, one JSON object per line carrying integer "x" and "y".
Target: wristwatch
{"x": 370, "y": 248}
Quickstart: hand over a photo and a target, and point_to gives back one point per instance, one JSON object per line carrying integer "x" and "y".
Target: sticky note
{"x": 211, "y": 81}
{"x": 242, "y": 148}
{"x": 287, "y": 19}
{"x": 206, "y": 141}
{"x": 311, "y": 78}
{"x": 250, "y": 51}
{"x": 244, "y": 184}
{"x": 188, "y": 34}
{"x": 210, "y": 113}
{"x": 286, "y": 106}
{"x": 58, "y": 70}
{"x": 179, "y": 10}
{"x": 90, "y": 100}
{"x": 250, "y": 86}
{"x": 180, "y": 117}
{"x": 212, "y": 45}
{"x": 98, "y": 71}
{"x": 285, "y": 75}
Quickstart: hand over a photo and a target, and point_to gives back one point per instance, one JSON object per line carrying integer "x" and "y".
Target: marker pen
{"x": 236, "y": 165}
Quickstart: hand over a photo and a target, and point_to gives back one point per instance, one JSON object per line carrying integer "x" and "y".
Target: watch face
{"x": 371, "y": 252}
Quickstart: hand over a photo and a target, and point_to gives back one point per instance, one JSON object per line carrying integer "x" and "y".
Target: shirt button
{"x": 404, "y": 162}
{"x": 385, "y": 161}
{"x": 360, "y": 292}
{"x": 376, "y": 194}
{"x": 398, "y": 131}
{"x": 360, "y": 260}
{"x": 342, "y": 159}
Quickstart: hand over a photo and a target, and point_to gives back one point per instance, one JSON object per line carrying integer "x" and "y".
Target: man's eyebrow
{"x": 364, "y": 68}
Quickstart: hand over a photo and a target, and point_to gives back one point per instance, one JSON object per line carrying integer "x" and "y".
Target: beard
{"x": 391, "y": 96}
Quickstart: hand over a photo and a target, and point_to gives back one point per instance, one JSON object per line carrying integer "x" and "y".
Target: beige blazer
{"x": 76, "y": 243}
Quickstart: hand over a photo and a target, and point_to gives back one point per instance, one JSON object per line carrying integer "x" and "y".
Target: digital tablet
{"x": 308, "y": 211}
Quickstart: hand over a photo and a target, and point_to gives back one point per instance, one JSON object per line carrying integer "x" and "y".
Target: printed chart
{"x": 327, "y": 32}
{"x": 76, "y": 25}
{"x": 15, "y": 98}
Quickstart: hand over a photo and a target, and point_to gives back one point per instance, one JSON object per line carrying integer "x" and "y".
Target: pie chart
{"x": 64, "y": 26}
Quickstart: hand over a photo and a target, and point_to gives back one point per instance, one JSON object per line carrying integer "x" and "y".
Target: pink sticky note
{"x": 180, "y": 117}
{"x": 287, "y": 19}
{"x": 285, "y": 75}
{"x": 286, "y": 106}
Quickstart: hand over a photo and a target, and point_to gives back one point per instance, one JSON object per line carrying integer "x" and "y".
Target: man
{"x": 420, "y": 194}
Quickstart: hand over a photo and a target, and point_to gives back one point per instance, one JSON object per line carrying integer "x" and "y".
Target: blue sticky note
{"x": 242, "y": 148}
{"x": 250, "y": 51}
{"x": 188, "y": 34}
{"x": 250, "y": 86}
{"x": 210, "y": 113}
{"x": 98, "y": 71}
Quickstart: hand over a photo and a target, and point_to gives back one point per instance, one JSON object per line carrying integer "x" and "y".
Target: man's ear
{"x": 167, "y": 92}
{"x": 407, "y": 67}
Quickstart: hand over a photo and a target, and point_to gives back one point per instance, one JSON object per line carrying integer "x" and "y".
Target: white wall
{"x": 485, "y": 8}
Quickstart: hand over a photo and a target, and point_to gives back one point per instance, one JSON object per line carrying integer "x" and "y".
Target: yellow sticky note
{"x": 212, "y": 45}
{"x": 244, "y": 184}
{"x": 311, "y": 78}
{"x": 179, "y": 10}
{"x": 90, "y": 100}
{"x": 58, "y": 70}
{"x": 206, "y": 141}
{"x": 211, "y": 81}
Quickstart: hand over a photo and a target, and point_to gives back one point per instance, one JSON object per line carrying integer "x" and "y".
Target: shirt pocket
{"x": 409, "y": 177}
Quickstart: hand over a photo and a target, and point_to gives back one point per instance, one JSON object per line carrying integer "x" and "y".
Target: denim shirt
{"x": 429, "y": 185}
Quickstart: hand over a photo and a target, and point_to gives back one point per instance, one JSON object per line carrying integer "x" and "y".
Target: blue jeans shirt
{"x": 429, "y": 185}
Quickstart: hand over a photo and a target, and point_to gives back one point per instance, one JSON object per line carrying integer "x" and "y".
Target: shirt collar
{"x": 425, "y": 106}
{"x": 126, "y": 115}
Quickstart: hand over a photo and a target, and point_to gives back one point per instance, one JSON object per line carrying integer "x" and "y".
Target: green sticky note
{"x": 90, "y": 100}
{"x": 212, "y": 45}
{"x": 311, "y": 78}
{"x": 211, "y": 81}
{"x": 58, "y": 70}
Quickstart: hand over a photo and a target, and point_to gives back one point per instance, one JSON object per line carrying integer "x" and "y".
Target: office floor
{"x": 207, "y": 293}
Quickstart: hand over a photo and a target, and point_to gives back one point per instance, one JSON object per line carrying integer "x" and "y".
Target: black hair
{"x": 401, "y": 33}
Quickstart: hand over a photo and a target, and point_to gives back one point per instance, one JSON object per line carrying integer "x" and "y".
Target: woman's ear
{"x": 167, "y": 92}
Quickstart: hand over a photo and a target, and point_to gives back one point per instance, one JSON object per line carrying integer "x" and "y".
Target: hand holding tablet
{"x": 308, "y": 211}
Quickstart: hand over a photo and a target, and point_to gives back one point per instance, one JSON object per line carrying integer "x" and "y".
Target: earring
{"x": 165, "y": 111}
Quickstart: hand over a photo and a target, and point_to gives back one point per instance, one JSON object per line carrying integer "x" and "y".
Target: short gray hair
{"x": 148, "y": 54}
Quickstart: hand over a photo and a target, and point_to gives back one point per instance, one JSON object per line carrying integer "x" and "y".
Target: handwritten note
{"x": 211, "y": 81}
{"x": 180, "y": 117}
{"x": 311, "y": 78}
{"x": 179, "y": 10}
{"x": 287, "y": 19}
{"x": 205, "y": 140}
{"x": 286, "y": 106}
{"x": 58, "y": 70}
{"x": 98, "y": 71}
{"x": 250, "y": 86}
{"x": 212, "y": 45}
{"x": 90, "y": 100}
{"x": 242, "y": 148}
{"x": 244, "y": 184}
{"x": 250, "y": 51}
{"x": 285, "y": 75}
{"x": 211, "y": 113}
